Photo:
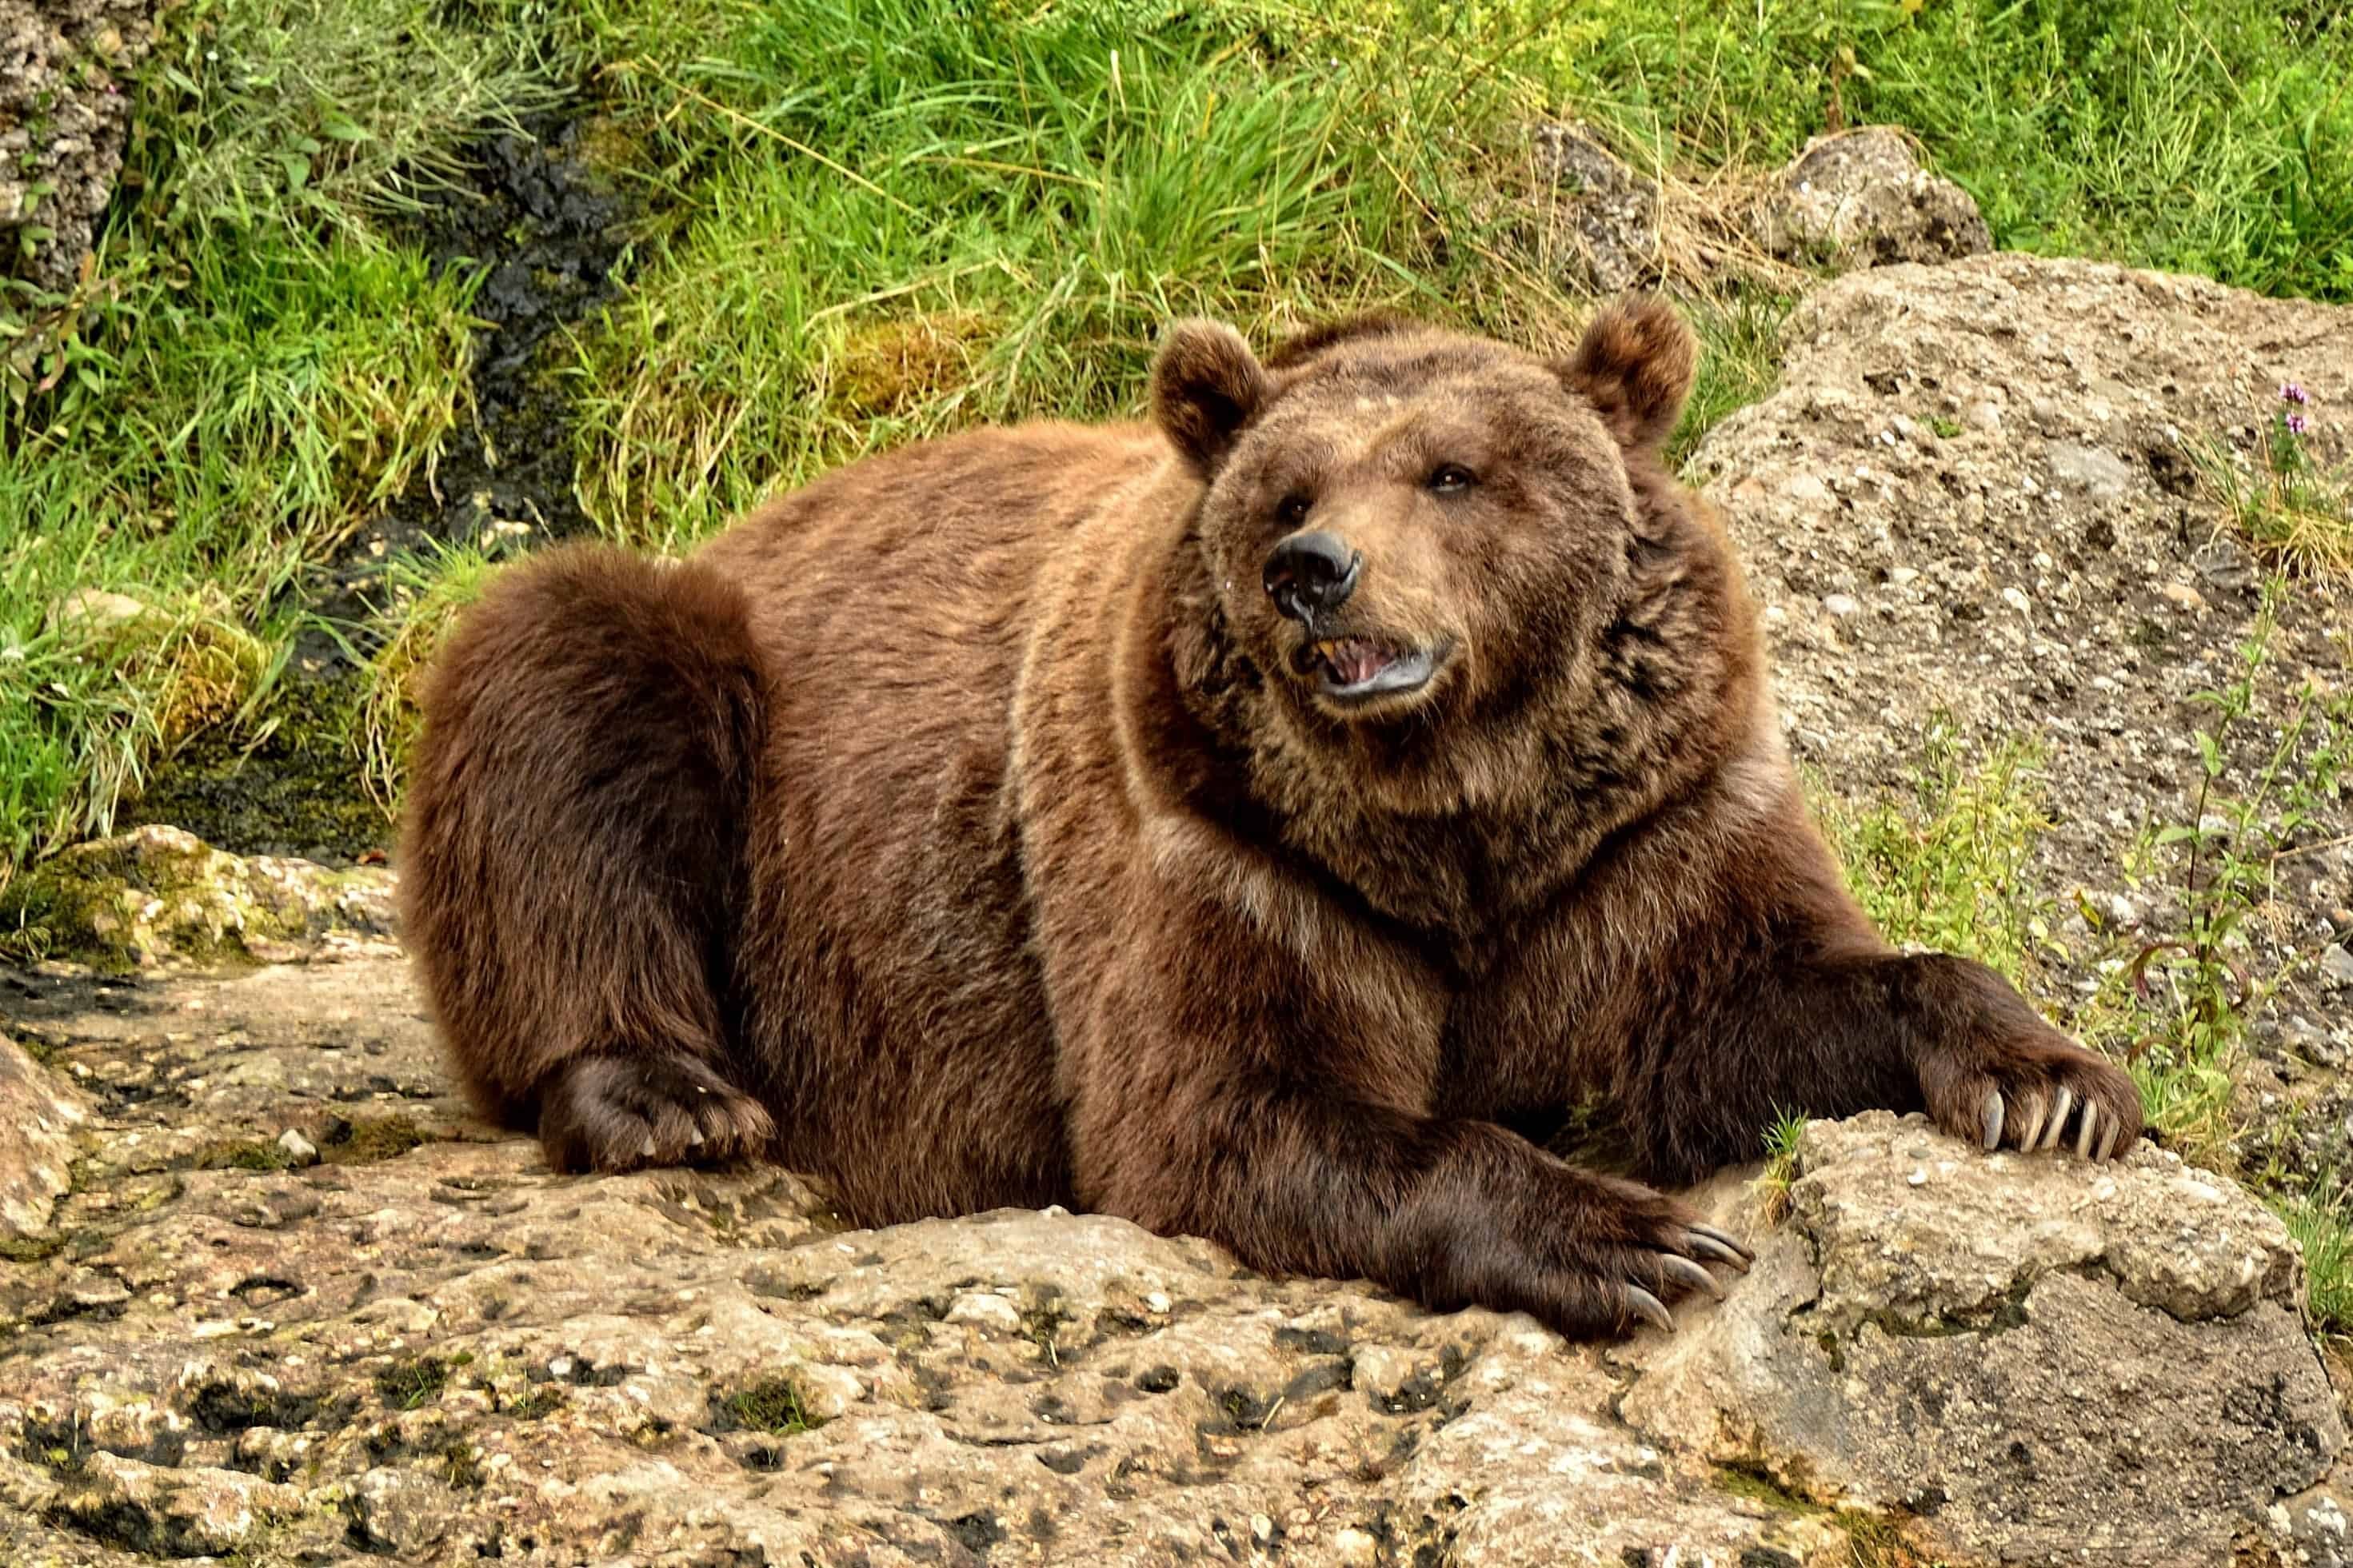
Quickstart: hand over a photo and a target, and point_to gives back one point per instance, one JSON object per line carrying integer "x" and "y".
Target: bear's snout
{"x": 1312, "y": 573}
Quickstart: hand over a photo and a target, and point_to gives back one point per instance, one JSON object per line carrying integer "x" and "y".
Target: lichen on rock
{"x": 157, "y": 895}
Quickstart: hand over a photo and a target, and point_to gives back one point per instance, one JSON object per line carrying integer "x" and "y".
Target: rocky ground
{"x": 291, "y": 1305}
{"x": 272, "y": 1298}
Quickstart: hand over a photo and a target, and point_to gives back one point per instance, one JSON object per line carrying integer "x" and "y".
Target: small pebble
{"x": 987, "y": 1311}
{"x": 299, "y": 1149}
{"x": 1842, "y": 604}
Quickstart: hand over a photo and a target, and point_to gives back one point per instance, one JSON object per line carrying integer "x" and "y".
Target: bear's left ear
{"x": 1206, "y": 386}
{"x": 1635, "y": 366}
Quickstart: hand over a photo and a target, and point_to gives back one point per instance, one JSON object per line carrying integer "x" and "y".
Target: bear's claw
{"x": 2065, "y": 1103}
{"x": 621, "y": 1111}
{"x": 1648, "y": 1308}
{"x": 1692, "y": 1276}
{"x": 1710, "y": 1242}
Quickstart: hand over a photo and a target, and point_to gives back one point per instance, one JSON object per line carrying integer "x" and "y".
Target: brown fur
{"x": 959, "y": 827}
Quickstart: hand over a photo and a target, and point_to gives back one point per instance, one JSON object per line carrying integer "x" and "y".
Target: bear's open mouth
{"x": 1354, "y": 669}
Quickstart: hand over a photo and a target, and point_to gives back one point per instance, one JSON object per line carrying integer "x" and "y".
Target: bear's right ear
{"x": 1206, "y": 386}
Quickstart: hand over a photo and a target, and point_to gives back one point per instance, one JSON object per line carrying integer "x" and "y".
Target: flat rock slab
{"x": 430, "y": 1346}
{"x": 426, "y": 1345}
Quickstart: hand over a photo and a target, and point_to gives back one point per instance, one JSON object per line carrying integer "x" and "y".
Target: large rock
{"x": 65, "y": 68}
{"x": 1984, "y": 495}
{"x": 2040, "y": 1360}
{"x": 1860, "y": 198}
{"x": 1601, "y": 219}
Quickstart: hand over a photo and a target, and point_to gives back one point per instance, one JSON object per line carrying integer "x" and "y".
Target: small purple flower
{"x": 2297, "y": 424}
{"x": 2293, "y": 392}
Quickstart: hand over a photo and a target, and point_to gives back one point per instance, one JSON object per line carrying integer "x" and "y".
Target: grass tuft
{"x": 2294, "y": 508}
{"x": 1952, "y": 870}
{"x": 428, "y": 593}
{"x": 1740, "y": 361}
{"x": 2321, "y": 1220}
{"x": 413, "y": 1382}
{"x": 1771, "y": 1186}
{"x": 772, "y": 1405}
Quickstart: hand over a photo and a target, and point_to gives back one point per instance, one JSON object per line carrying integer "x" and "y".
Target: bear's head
{"x": 1449, "y": 555}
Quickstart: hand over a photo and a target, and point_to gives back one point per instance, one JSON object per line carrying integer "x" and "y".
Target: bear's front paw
{"x": 1616, "y": 1253}
{"x": 2035, "y": 1092}
{"x": 621, "y": 1111}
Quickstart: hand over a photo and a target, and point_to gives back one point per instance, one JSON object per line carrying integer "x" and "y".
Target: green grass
{"x": 413, "y": 1382}
{"x": 2321, "y": 1220}
{"x": 1952, "y": 869}
{"x": 1740, "y": 360}
{"x": 772, "y": 1405}
{"x": 257, "y": 360}
{"x": 2211, "y": 136}
{"x": 922, "y": 215}
{"x": 1771, "y": 1185}
{"x": 427, "y": 590}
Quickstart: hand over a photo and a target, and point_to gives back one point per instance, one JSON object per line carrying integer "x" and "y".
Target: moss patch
{"x": 366, "y": 1142}
{"x": 904, "y": 363}
{"x": 287, "y": 787}
{"x": 543, "y": 1401}
{"x": 773, "y": 1405}
{"x": 246, "y": 1154}
{"x": 1752, "y": 1483}
{"x": 413, "y": 1382}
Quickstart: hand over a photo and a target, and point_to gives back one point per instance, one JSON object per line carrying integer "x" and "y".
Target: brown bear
{"x": 1265, "y": 823}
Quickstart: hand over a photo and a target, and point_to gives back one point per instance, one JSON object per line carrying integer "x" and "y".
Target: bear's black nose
{"x": 1312, "y": 573}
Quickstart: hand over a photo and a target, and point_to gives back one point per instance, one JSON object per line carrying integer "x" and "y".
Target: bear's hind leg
{"x": 573, "y": 857}
{"x": 613, "y": 1111}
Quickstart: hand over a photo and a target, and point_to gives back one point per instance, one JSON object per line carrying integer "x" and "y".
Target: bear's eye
{"x": 1293, "y": 511}
{"x": 1451, "y": 479}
